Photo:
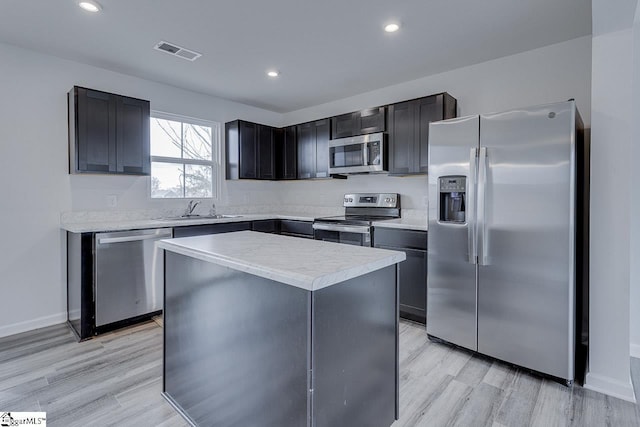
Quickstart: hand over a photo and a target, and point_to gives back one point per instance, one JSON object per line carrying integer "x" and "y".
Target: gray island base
{"x": 267, "y": 330}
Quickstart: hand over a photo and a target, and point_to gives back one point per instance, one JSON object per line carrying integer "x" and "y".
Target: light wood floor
{"x": 115, "y": 379}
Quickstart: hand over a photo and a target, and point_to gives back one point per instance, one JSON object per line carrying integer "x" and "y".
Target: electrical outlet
{"x": 112, "y": 200}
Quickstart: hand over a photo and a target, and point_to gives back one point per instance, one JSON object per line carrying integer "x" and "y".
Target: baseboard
{"x": 620, "y": 389}
{"x": 30, "y": 325}
{"x": 635, "y": 350}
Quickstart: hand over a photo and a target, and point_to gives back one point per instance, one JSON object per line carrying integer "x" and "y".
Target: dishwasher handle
{"x": 136, "y": 238}
{"x": 359, "y": 229}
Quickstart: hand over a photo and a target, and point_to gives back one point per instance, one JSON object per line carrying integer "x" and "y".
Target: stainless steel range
{"x": 354, "y": 227}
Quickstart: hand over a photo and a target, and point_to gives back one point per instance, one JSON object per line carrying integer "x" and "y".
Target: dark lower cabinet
{"x": 412, "y": 272}
{"x": 286, "y": 227}
{"x": 409, "y": 131}
{"x": 198, "y": 230}
{"x": 108, "y": 133}
{"x": 266, "y": 226}
{"x": 295, "y": 228}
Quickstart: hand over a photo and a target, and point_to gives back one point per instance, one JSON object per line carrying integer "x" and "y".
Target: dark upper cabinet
{"x": 286, "y": 153}
{"x": 251, "y": 150}
{"x": 257, "y": 151}
{"x": 108, "y": 133}
{"x": 248, "y": 148}
{"x": 322, "y": 133}
{"x": 132, "y": 126}
{"x": 371, "y": 120}
{"x": 306, "y": 151}
{"x": 409, "y": 131}
{"x": 266, "y": 152}
{"x": 313, "y": 149}
{"x": 343, "y": 126}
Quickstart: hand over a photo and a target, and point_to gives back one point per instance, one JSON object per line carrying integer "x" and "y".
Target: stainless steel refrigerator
{"x": 506, "y": 239}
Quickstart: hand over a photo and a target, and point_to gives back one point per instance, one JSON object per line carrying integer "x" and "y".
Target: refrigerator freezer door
{"x": 526, "y": 241}
{"x": 451, "y": 273}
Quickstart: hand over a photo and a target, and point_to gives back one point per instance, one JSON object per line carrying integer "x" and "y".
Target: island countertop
{"x": 303, "y": 263}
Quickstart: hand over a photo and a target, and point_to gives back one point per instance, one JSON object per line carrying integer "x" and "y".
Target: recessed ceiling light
{"x": 273, "y": 73}
{"x": 90, "y": 6}
{"x": 391, "y": 28}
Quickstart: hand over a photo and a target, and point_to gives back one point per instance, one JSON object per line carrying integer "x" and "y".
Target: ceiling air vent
{"x": 177, "y": 51}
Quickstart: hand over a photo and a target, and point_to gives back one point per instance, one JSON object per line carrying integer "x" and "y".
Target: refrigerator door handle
{"x": 472, "y": 240}
{"x": 483, "y": 256}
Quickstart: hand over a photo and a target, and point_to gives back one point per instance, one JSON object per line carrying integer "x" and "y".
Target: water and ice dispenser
{"x": 452, "y": 198}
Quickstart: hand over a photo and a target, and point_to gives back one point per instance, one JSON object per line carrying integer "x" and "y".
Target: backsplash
{"x": 318, "y": 197}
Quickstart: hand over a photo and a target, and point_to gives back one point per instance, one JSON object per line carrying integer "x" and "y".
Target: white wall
{"x": 33, "y": 151}
{"x": 37, "y": 186}
{"x": 635, "y": 199}
{"x": 549, "y": 74}
{"x": 611, "y": 127}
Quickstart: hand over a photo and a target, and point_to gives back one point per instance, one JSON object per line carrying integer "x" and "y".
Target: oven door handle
{"x": 359, "y": 229}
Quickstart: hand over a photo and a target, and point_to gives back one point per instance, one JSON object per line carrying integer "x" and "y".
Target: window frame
{"x": 216, "y": 155}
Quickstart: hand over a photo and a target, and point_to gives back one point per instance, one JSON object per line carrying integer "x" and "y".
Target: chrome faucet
{"x": 191, "y": 207}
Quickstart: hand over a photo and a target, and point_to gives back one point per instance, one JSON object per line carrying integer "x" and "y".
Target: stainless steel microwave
{"x": 358, "y": 154}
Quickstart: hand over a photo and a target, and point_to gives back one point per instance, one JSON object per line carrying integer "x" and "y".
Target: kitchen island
{"x": 268, "y": 330}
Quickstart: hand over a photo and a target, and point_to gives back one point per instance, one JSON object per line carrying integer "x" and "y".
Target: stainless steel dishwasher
{"x": 129, "y": 274}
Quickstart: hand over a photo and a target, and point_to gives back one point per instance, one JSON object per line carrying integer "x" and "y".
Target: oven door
{"x": 358, "y": 235}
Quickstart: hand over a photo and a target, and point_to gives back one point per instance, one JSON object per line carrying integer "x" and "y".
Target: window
{"x": 185, "y": 157}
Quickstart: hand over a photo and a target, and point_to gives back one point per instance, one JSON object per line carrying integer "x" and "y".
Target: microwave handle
{"x": 365, "y": 154}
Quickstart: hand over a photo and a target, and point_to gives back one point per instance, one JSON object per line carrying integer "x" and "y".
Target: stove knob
{"x": 351, "y": 199}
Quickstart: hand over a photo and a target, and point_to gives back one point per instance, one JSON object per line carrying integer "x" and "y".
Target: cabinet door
{"x": 306, "y": 151}
{"x": 371, "y": 120}
{"x": 95, "y": 131}
{"x": 248, "y": 150}
{"x": 266, "y": 226}
{"x": 401, "y": 138}
{"x": 429, "y": 109}
{"x": 266, "y": 153}
{"x": 132, "y": 148}
{"x": 288, "y": 156}
{"x": 322, "y": 148}
{"x": 343, "y": 126}
{"x": 413, "y": 283}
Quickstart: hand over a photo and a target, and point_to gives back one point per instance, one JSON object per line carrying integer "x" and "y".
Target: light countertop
{"x": 304, "y": 263}
{"x": 119, "y": 225}
{"x": 419, "y": 224}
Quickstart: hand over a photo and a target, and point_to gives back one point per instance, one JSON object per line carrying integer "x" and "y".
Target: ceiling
{"x": 325, "y": 50}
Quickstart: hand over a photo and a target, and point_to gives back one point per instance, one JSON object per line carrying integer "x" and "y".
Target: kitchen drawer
{"x": 299, "y": 228}
{"x": 400, "y": 238}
